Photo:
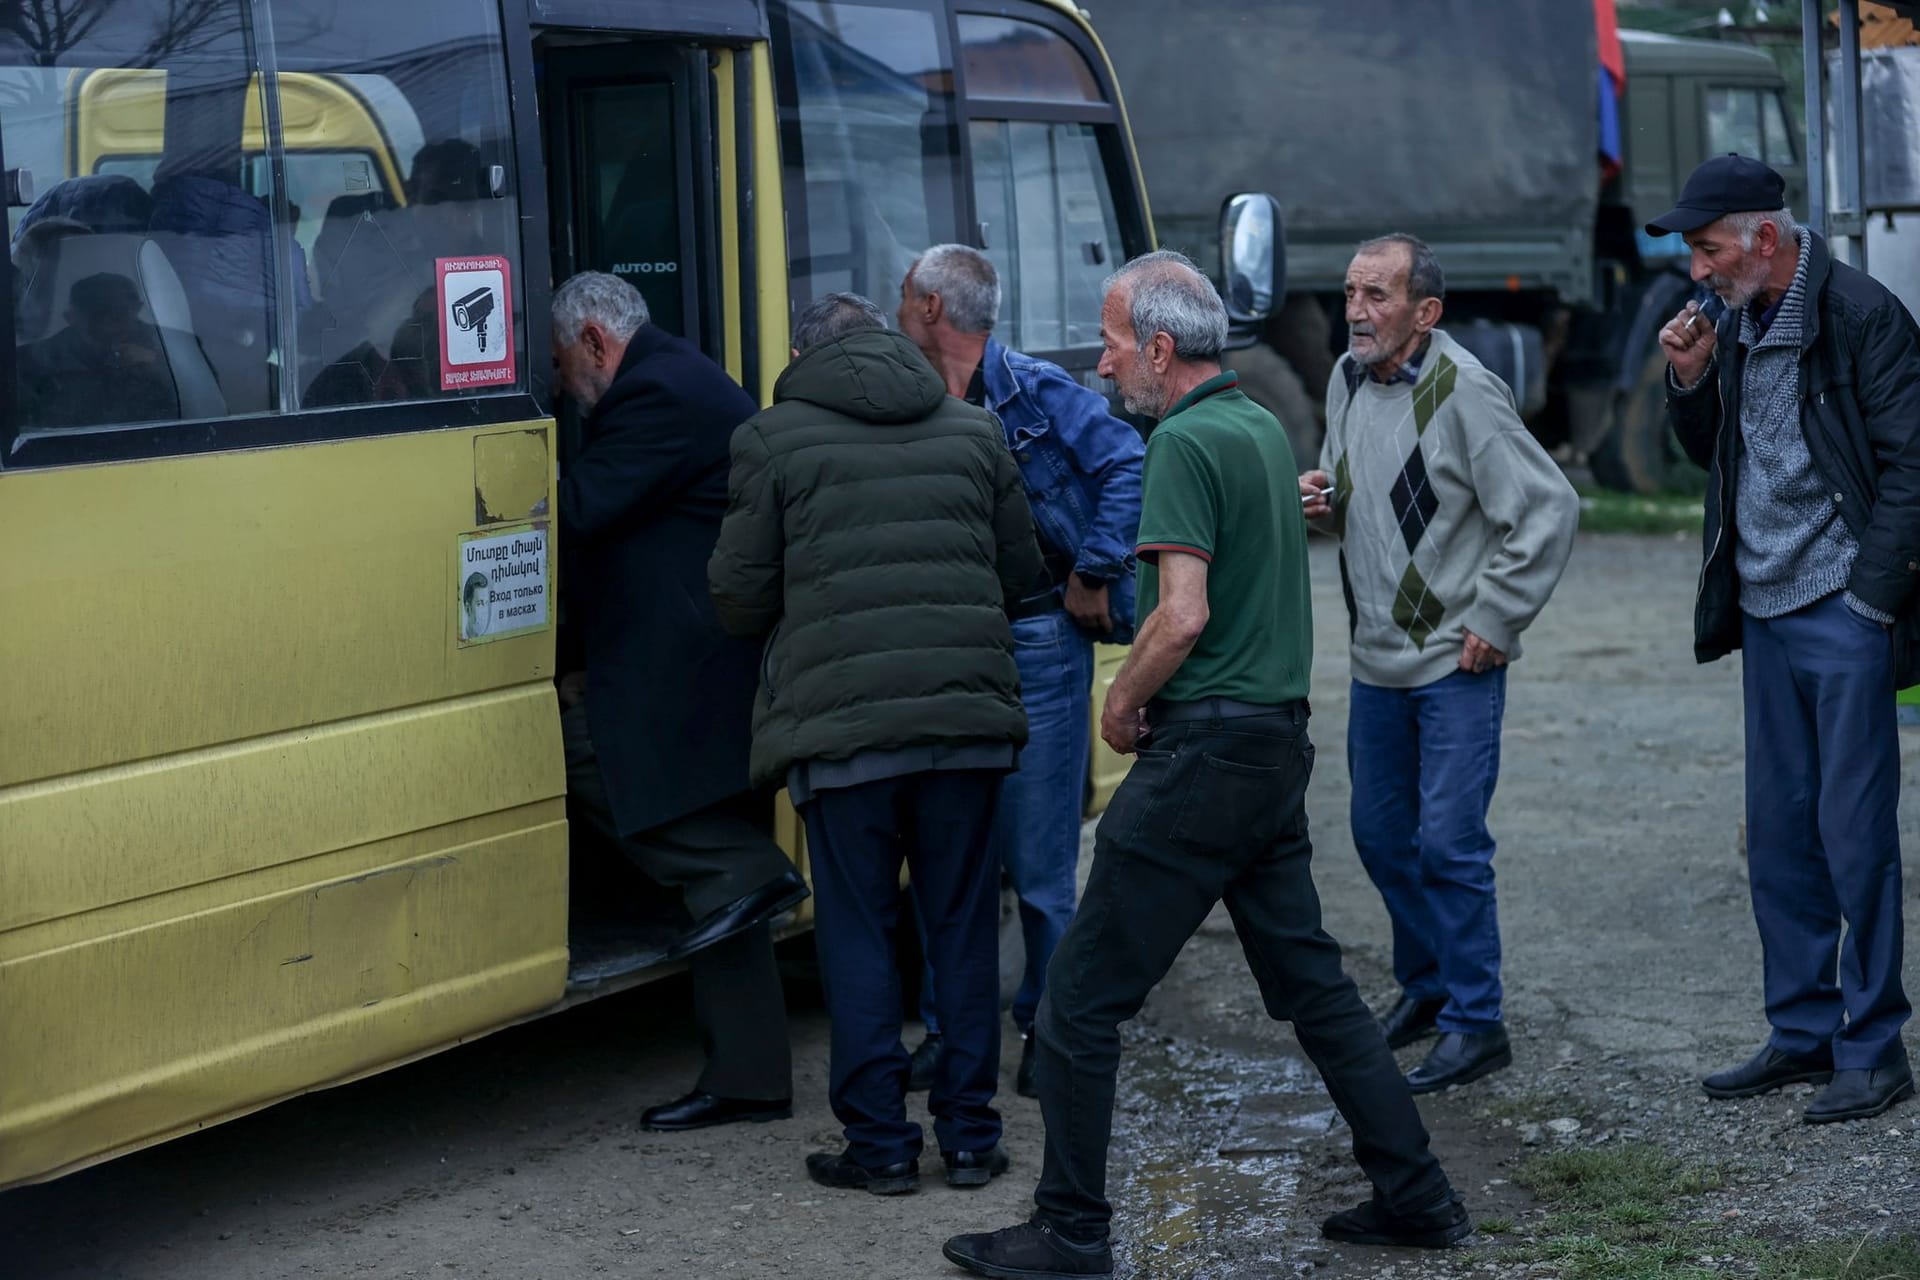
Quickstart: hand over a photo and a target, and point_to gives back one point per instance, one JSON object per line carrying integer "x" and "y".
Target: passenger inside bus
{"x": 105, "y": 365}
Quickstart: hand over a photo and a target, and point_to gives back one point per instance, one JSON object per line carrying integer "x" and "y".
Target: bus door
{"x": 644, "y": 140}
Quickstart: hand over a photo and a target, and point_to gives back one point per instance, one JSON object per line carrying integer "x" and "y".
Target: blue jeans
{"x": 1424, "y": 762}
{"x": 1823, "y": 835}
{"x": 1037, "y": 834}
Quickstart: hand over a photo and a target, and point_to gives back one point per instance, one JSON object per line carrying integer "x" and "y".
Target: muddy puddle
{"x": 1207, "y": 1156}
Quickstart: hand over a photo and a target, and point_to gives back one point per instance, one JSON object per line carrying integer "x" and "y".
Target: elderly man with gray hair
{"x": 656, "y": 728}
{"x": 1213, "y": 700}
{"x": 1081, "y": 468}
{"x": 1802, "y": 400}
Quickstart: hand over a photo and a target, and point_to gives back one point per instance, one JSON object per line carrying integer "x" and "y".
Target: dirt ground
{"x": 1631, "y": 966}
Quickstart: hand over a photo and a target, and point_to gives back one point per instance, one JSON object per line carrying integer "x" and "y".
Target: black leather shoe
{"x": 1410, "y": 1020}
{"x": 924, "y": 1065}
{"x": 975, "y": 1168}
{"x": 1371, "y": 1223}
{"x": 782, "y": 893}
{"x": 1461, "y": 1056}
{"x": 699, "y": 1110}
{"x": 1023, "y": 1078}
{"x": 1030, "y": 1251}
{"x": 1857, "y": 1095}
{"x": 842, "y": 1174}
{"x": 1766, "y": 1071}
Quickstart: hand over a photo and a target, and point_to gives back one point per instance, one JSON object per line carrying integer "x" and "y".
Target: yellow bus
{"x": 281, "y": 791}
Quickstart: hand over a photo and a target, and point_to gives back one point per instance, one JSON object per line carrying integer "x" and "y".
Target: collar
{"x": 977, "y": 386}
{"x": 1225, "y": 380}
{"x": 1408, "y": 372}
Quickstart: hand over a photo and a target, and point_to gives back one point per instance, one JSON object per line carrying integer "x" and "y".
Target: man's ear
{"x": 1160, "y": 352}
{"x": 1766, "y": 240}
{"x": 1426, "y": 314}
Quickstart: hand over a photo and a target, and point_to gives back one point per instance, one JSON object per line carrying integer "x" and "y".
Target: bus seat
{"x": 65, "y": 390}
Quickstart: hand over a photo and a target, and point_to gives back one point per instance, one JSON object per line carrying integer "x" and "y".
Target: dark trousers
{"x": 1823, "y": 837}
{"x": 1424, "y": 762}
{"x": 939, "y": 824}
{"x": 714, "y": 856}
{"x": 1212, "y": 809}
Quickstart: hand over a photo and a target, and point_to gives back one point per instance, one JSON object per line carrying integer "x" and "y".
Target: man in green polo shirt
{"x": 1212, "y": 700}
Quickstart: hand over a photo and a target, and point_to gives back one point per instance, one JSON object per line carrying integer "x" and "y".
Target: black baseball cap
{"x": 1731, "y": 183}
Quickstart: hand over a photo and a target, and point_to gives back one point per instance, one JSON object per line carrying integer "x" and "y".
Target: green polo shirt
{"x": 1220, "y": 483}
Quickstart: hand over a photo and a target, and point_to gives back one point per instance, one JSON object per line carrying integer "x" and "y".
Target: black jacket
{"x": 876, "y": 530}
{"x": 1860, "y": 412}
{"x": 669, "y": 695}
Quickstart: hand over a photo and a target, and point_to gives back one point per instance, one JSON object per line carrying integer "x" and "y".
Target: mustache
{"x": 1360, "y": 331}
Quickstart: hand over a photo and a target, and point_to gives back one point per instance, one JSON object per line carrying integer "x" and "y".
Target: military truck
{"x": 1478, "y": 129}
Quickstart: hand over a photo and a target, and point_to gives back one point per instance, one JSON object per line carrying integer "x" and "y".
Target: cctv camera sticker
{"x": 476, "y": 323}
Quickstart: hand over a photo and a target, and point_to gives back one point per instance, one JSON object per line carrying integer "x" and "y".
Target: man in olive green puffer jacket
{"x": 877, "y": 532}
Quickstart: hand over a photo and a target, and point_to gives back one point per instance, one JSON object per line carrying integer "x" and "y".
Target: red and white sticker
{"x": 476, "y": 323}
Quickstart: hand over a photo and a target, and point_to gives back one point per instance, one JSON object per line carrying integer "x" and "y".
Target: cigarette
{"x": 1317, "y": 493}
{"x": 1688, "y": 326}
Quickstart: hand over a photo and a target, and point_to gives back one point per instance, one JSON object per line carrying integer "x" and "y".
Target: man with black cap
{"x": 1803, "y": 402}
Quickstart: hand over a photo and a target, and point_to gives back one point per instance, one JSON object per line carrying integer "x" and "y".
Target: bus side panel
{"x": 153, "y": 1028}
{"x": 266, "y": 821}
{"x": 155, "y": 607}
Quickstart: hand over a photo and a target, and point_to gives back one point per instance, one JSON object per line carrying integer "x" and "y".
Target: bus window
{"x": 148, "y": 298}
{"x": 1044, "y": 140}
{"x": 432, "y": 77}
{"x": 868, "y": 120}
{"x": 1048, "y": 219}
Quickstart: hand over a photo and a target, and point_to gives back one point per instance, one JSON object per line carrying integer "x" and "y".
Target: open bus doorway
{"x": 628, "y": 139}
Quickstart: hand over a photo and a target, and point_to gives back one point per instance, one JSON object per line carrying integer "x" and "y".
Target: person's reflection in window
{"x": 105, "y": 366}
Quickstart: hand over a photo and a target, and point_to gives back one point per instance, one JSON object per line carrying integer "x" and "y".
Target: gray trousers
{"x": 714, "y": 856}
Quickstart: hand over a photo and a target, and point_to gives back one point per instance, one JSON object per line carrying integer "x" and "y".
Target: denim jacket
{"x": 1081, "y": 466}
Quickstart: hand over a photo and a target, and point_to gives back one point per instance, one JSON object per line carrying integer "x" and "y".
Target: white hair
{"x": 1747, "y": 224}
{"x": 1167, "y": 294}
{"x": 608, "y": 301}
{"x": 968, "y": 286}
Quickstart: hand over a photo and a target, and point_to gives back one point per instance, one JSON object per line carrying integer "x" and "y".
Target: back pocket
{"x": 1231, "y": 807}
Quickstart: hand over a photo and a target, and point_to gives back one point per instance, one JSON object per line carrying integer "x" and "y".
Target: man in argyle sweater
{"x": 1454, "y": 527}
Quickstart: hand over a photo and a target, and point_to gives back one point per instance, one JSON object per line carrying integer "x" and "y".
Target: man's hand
{"x": 1476, "y": 655}
{"x": 1121, "y": 728}
{"x": 573, "y": 687}
{"x": 1088, "y": 605}
{"x": 1315, "y": 502}
{"x": 1689, "y": 349}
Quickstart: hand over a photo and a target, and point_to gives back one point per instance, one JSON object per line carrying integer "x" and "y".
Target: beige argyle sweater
{"x": 1450, "y": 515}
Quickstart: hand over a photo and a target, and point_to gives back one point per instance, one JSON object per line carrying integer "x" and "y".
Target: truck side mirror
{"x": 1253, "y": 257}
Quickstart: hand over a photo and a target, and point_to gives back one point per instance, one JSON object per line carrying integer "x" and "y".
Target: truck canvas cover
{"x": 1466, "y": 122}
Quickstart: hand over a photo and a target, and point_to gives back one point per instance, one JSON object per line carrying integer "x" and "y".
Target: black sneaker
{"x": 1370, "y": 1222}
{"x": 975, "y": 1168}
{"x": 1030, "y": 1251}
{"x": 924, "y": 1064}
{"x": 842, "y": 1174}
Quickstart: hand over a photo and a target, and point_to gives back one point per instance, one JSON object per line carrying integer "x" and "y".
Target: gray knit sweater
{"x": 1451, "y": 517}
{"x": 1792, "y": 548}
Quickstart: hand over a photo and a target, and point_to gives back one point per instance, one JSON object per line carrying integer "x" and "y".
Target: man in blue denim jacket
{"x": 1082, "y": 470}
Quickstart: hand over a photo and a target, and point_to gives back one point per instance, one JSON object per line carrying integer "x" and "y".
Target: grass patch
{"x": 1633, "y": 1176}
{"x": 1621, "y": 1213}
{"x": 1605, "y": 511}
{"x": 1495, "y": 1226}
{"x": 1893, "y": 1258}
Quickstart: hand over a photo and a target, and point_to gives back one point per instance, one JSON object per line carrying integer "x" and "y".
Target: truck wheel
{"x": 1271, "y": 383}
{"x": 1640, "y": 454}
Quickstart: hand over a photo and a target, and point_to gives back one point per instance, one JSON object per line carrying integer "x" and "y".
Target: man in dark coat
{"x": 879, "y": 530}
{"x": 657, "y": 741}
{"x": 1803, "y": 402}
